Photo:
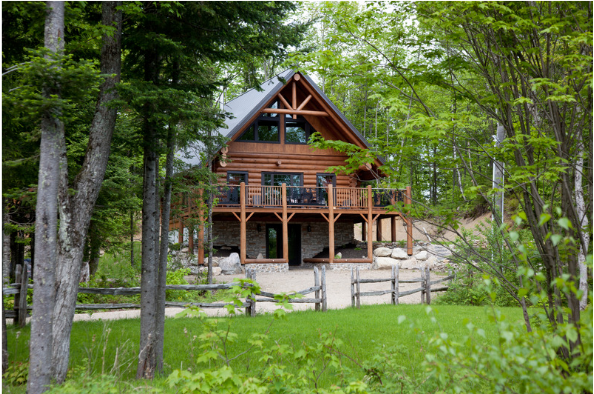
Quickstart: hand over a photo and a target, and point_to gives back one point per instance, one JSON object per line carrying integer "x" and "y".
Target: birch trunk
{"x": 498, "y": 178}
{"x": 75, "y": 209}
{"x": 583, "y": 218}
{"x": 46, "y": 223}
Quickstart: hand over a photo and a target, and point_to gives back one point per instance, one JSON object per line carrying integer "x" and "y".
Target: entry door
{"x": 274, "y": 242}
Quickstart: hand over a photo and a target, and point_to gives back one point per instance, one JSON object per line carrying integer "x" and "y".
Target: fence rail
{"x": 394, "y": 280}
{"x": 20, "y": 304}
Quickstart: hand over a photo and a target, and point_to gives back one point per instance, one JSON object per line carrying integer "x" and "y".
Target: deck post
{"x": 330, "y": 224}
{"x": 201, "y": 229}
{"x": 409, "y": 229}
{"x": 369, "y": 223}
{"x": 393, "y": 228}
{"x": 242, "y": 225}
{"x": 191, "y": 240}
{"x": 285, "y": 224}
{"x": 378, "y": 231}
{"x": 180, "y": 234}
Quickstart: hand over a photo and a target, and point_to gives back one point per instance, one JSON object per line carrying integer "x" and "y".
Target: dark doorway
{"x": 274, "y": 243}
{"x": 294, "y": 244}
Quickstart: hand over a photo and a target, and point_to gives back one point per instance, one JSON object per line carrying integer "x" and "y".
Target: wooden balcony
{"x": 243, "y": 201}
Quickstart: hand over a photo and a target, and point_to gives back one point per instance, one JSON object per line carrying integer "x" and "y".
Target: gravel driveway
{"x": 338, "y": 286}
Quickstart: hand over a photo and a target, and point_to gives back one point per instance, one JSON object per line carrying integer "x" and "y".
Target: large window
{"x": 264, "y": 129}
{"x": 278, "y": 178}
{"x": 297, "y": 131}
{"x": 236, "y": 177}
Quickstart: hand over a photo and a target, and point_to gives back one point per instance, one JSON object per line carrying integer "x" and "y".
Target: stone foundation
{"x": 268, "y": 267}
{"x": 312, "y": 243}
{"x": 338, "y": 266}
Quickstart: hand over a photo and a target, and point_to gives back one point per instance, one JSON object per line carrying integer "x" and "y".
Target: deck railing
{"x": 344, "y": 197}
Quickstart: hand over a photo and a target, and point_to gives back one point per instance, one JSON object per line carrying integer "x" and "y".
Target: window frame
{"x": 238, "y": 173}
{"x": 268, "y": 118}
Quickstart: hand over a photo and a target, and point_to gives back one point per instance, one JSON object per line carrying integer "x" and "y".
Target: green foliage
{"x": 16, "y": 374}
{"x": 177, "y": 278}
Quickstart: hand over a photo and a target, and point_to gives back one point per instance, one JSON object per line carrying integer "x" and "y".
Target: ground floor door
{"x": 274, "y": 242}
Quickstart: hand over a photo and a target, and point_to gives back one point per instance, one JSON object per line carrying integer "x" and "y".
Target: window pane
{"x": 274, "y": 105}
{"x": 235, "y": 179}
{"x": 295, "y": 133}
{"x": 267, "y": 130}
{"x": 248, "y": 135}
{"x": 267, "y": 179}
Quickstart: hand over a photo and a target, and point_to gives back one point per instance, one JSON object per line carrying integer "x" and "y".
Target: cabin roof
{"x": 245, "y": 106}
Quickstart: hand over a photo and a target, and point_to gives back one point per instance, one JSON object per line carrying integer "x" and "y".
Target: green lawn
{"x": 365, "y": 333}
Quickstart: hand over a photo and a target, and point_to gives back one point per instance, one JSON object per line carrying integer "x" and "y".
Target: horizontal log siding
{"x": 308, "y": 163}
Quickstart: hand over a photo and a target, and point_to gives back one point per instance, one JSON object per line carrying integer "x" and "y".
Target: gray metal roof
{"x": 245, "y": 106}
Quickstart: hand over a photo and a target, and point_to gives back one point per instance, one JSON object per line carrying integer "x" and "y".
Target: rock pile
{"x": 432, "y": 256}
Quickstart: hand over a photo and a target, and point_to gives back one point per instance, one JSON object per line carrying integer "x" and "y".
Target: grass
{"x": 365, "y": 333}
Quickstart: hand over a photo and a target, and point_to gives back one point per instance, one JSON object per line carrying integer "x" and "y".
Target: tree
{"x": 52, "y": 135}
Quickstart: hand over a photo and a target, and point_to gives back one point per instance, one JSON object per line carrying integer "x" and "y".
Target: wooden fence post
{"x": 23, "y": 297}
{"x": 428, "y": 286}
{"x": 393, "y": 283}
{"x": 397, "y": 284}
{"x": 317, "y": 284}
{"x": 358, "y": 289}
{"x": 423, "y": 284}
{"x": 324, "y": 293}
{"x": 17, "y": 274}
{"x": 352, "y": 287}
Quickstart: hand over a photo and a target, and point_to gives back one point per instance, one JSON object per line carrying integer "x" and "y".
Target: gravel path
{"x": 337, "y": 284}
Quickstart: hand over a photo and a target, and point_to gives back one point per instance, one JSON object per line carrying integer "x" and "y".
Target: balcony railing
{"x": 300, "y": 196}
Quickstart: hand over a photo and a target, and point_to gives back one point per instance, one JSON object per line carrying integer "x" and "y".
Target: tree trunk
{"x": 76, "y": 209}
{"x": 162, "y": 279}
{"x": 583, "y": 217}
{"x": 46, "y": 223}
{"x": 498, "y": 177}
{"x": 150, "y": 232}
{"x": 5, "y": 246}
{"x": 94, "y": 245}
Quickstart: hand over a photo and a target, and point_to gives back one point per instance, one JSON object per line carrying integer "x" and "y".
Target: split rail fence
{"x": 424, "y": 280}
{"x": 21, "y": 309}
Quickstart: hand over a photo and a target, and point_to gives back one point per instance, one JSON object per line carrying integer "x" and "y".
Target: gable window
{"x": 297, "y": 131}
{"x": 264, "y": 129}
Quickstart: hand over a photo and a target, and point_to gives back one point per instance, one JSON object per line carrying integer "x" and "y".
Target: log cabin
{"x": 277, "y": 202}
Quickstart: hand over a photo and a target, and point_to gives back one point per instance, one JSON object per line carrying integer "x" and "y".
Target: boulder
{"x": 216, "y": 271}
{"x": 382, "y": 252}
{"x": 338, "y": 255}
{"x": 385, "y": 263}
{"x": 260, "y": 256}
{"x": 422, "y": 255}
{"x": 231, "y": 265}
{"x": 184, "y": 250}
{"x": 399, "y": 254}
{"x": 410, "y": 264}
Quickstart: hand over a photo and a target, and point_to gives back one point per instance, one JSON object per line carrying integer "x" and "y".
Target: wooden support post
{"x": 330, "y": 224}
{"x": 17, "y": 297}
{"x": 358, "y": 293}
{"x": 180, "y": 235}
{"x": 242, "y": 225}
{"x": 397, "y": 282}
{"x": 409, "y": 229}
{"x": 363, "y": 231}
{"x": 201, "y": 227}
{"x": 285, "y": 224}
{"x": 324, "y": 293}
{"x": 393, "y": 228}
{"x": 352, "y": 287}
{"x": 317, "y": 284}
{"x": 369, "y": 224}
{"x": 294, "y": 99}
{"x": 191, "y": 239}
{"x": 253, "y": 297}
{"x": 428, "y": 285}
{"x": 393, "y": 283}
{"x": 378, "y": 231}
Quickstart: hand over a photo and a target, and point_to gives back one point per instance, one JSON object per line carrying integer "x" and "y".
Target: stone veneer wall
{"x": 312, "y": 243}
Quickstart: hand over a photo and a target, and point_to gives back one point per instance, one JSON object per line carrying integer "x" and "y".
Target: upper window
{"x": 264, "y": 129}
{"x": 297, "y": 131}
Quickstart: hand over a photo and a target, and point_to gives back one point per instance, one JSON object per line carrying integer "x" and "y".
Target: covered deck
{"x": 304, "y": 204}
